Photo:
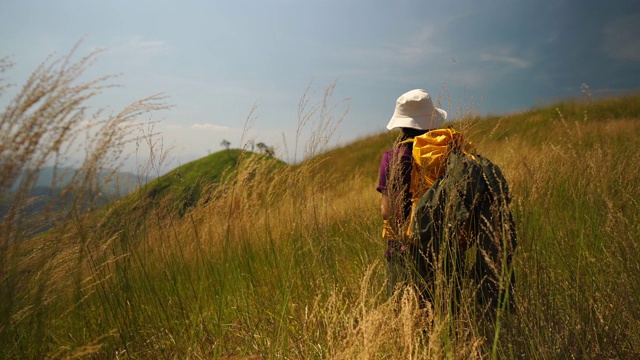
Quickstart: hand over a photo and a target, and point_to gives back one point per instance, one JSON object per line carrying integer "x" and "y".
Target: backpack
{"x": 430, "y": 152}
{"x": 464, "y": 205}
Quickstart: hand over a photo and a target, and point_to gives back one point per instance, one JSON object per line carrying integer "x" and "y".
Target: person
{"x": 414, "y": 115}
{"x": 441, "y": 199}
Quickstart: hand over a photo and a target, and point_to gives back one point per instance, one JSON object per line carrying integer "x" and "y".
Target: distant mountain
{"x": 48, "y": 195}
{"x": 118, "y": 184}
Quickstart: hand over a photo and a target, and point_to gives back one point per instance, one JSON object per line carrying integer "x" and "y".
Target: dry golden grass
{"x": 47, "y": 123}
{"x": 287, "y": 262}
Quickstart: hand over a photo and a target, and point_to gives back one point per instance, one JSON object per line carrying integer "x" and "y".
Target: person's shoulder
{"x": 389, "y": 152}
{"x": 404, "y": 150}
{"x": 398, "y": 152}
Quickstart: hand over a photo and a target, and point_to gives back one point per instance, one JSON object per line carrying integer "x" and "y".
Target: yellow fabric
{"x": 430, "y": 152}
{"x": 401, "y": 232}
{"x": 387, "y": 231}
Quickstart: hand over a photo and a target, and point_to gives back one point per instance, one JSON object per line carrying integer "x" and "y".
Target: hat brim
{"x": 421, "y": 123}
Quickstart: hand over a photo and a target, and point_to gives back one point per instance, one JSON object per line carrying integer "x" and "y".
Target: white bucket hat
{"x": 414, "y": 109}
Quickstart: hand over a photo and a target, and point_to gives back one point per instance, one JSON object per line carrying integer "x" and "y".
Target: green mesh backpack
{"x": 467, "y": 209}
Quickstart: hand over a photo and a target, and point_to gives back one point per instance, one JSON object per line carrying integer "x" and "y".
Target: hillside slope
{"x": 182, "y": 188}
{"x": 288, "y": 262}
{"x": 571, "y": 120}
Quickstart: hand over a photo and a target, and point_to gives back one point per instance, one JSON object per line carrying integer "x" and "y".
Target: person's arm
{"x": 386, "y": 213}
{"x": 382, "y": 186}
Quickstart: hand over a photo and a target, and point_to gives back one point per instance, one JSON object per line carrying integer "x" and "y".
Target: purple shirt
{"x": 400, "y": 159}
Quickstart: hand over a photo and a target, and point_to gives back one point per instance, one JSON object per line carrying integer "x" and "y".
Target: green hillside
{"x": 536, "y": 127}
{"x": 265, "y": 260}
{"x": 541, "y": 125}
{"x": 184, "y": 187}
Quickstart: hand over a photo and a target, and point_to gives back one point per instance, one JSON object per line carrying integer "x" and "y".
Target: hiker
{"x": 440, "y": 199}
{"x": 414, "y": 115}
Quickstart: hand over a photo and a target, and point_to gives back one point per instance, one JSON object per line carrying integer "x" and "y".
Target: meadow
{"x": 240, "y": 256}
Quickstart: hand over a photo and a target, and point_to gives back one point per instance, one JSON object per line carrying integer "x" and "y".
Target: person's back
{"x": 464, "y": 204}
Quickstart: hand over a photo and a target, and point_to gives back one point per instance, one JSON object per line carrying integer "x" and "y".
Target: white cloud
{"x": 506, "y": 59}
{"x": 147, "y": 47}
{"x": 136, "y": 46}
{"x": 210, "y": 127}
{"x": 409, "y": 51}
{"x": 417, "y": 47}
{"x": 621, "y": 38}
{"x": 465, "y": 77}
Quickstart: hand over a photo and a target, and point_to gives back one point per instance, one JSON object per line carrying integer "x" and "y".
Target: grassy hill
{"x": 183, "y": 188}
{"x": 276, "y": 261}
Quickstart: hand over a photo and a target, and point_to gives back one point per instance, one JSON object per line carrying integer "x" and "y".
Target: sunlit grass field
{"x": 286, "y": 261}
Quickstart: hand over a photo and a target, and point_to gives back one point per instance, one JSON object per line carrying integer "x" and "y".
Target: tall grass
{"x": 287, "y": 261}
{"x": 577, "y": 213}
{"x": 48, "y": 122}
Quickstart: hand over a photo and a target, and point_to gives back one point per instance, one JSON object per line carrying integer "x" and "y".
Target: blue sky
{"x": 216, "y": 59}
